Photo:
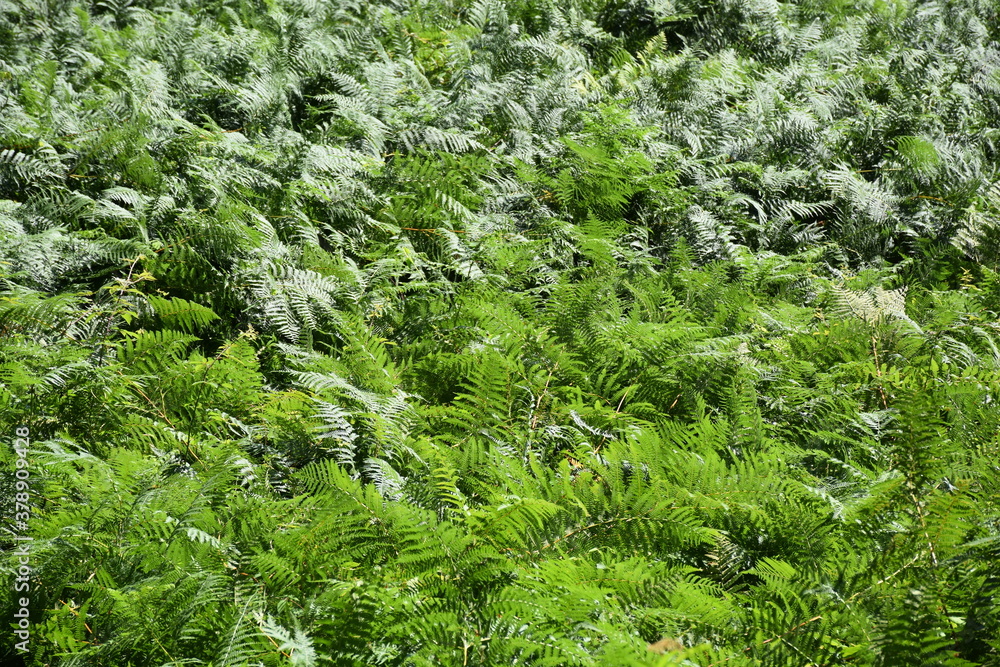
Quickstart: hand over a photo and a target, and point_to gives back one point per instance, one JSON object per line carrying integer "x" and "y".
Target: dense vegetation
{"x": 450, "y": 333}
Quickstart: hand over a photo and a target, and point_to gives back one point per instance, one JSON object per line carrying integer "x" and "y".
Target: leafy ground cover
{"x": 425, "y": 332}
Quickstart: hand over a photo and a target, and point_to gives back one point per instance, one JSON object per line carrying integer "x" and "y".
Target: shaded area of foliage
{"x": 435, "y": 333}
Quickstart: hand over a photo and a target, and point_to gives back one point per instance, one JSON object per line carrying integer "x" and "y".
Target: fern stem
{"x": 878, "y": 370}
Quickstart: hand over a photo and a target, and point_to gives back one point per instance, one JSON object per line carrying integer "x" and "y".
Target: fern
{"x": 492, "y": 333}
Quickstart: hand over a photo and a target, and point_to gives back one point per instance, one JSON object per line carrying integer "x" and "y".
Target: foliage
{"x": 436, "y": 333}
